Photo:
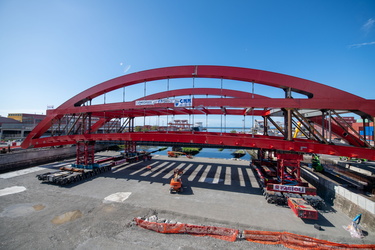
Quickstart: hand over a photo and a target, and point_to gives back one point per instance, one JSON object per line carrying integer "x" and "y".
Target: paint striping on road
{"x": 217, "y": 175}
{"x": 228, "y": 176}
{"x": 195, "y": 172}
{"x": 153, "y": 169}
{"x": 141, "y": 169}
{"x": 253, "y": 181}
{"x": 187, "y": 168}
{"x": 205, "y": 173}
{"x": 240, "y": 176}
{"x": 123, "y": 166}
{"x": 12, "y": 190}
{"x": 20, "y": 172}
{"x": 161, "y": 169}
{"x": 170, "y": 173}
{"x": 117, "y": 197}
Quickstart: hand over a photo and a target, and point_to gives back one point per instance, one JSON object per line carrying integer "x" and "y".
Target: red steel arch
{"x": 319, "y": 97}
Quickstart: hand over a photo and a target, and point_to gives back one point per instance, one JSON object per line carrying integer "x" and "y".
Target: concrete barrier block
{"x": 346, "y": 194}
{"x": 361, "y": 201}
{"x": 353, "y": 197}
{"x": 370, "y": 206}
{"x": 341, "y": 191}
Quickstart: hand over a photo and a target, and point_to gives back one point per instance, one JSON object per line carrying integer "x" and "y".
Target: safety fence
{"x": 182, "y": 228}
{"x": 296, "y": 241}
{"x": 290, "y": 240}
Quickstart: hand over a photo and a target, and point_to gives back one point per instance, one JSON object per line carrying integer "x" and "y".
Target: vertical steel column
{"x": 252, "y": 110}
{"x": 288, "y": 124}
{"x": 89, "y": 152}
{"x": 364, "y": 128}
{"x": 85, "y": 153}
{"x": 130, "y": 147}
{"x": 288, "y": 117}
{"x": 265, "y": 125}
{"x": 330, "y": 126}
{"x": 323, "y": 123}
{"x": 280, "y": 170}
{"x": 80, "y": 153}
{"x": 89, "y": 130}
{"x": 131, "y": 124}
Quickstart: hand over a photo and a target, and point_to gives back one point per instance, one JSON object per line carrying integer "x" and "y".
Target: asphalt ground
{"x": 86, "y": 215}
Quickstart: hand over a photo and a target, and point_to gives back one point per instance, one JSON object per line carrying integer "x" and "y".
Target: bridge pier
{"x": 130, "y": 147}
{"x": 85, "y": 152}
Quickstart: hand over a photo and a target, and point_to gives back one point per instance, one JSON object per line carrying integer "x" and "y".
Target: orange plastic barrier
{"x": 295, "y": 241}
{"x": 166, "y": 228}
{"x": 290, "y": 240}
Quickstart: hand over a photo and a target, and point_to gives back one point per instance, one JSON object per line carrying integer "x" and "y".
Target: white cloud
{"x": 361, "y": 44}
{"x": 368, "y": 25}
{"x": 127, "y": 68}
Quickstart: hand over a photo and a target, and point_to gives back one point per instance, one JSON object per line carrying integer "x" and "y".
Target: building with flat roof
{"x": 27, "y": 118}
{"x": 18, "y": 125}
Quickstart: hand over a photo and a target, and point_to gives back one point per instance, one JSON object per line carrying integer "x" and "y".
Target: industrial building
{"x": 17, "y": 125}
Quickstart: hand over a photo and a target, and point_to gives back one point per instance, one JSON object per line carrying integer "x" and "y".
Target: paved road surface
{"x": 217, "y": 192}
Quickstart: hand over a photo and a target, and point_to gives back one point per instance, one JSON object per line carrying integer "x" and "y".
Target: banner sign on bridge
{"x": 187, "y": 102}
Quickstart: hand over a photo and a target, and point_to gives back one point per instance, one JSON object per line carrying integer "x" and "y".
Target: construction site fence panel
{"x": 296, "y": 241}
{"x": 181, "y": 228}
{"x": 290, "y": 240}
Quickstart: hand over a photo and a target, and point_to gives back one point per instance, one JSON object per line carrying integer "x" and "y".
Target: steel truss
{"x": 318, "y": 116}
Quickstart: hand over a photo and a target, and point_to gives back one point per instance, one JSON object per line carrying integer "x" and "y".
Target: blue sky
{"x": 50, "y": 50}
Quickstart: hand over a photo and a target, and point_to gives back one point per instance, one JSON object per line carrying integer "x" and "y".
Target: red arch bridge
{"x": 313, "y": 111}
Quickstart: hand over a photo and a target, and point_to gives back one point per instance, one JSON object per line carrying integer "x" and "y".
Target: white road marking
{"x": 117, "y": 197}
{"x": 153, "y": 169}
{"x": 161, "y": 170}
{"x": 217, "y": 175}
{"x": 187, "y": 168}
{"x": 204, "y": 174}
{"x": 21, "y": 172}
{"x": 12, "y": 190}
{"x": 122, "y": 166}
{"x": 228, "y": 176}
{"x": 195, "y": 172}
{"x": 253, "y": 181}
{"x": 172, "y": 171}
{"x": 139, "y": 170}
{"x": 240, "y": 176}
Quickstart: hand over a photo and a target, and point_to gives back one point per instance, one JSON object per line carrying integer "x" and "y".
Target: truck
{"x": 282, "y": 184}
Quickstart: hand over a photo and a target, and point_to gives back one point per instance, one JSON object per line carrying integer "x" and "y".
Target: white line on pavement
{"x": 12, "y": 190}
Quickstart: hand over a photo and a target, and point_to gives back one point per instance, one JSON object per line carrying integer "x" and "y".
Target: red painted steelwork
{"x": 220, "y": 139}
{"x": 318, "y": 97}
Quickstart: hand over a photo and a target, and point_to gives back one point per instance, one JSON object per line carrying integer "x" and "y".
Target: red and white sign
{"x": 286, "y": 188}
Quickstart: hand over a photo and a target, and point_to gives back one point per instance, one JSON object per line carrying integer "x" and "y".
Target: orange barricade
{"x": 166, "y": 228}
{"x": 295, "y": 241}
{"x": 290, "y": 240}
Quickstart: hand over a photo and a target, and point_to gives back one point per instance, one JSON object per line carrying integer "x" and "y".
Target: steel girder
{"x": 220, "y": 139}
{"x": 318, "y": 97}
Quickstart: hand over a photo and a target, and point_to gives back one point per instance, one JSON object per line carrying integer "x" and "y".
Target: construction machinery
{"x": 68, "y": 175}
{"x": 176, "y": 183}
{"x": 282, "y": 184}
{"x": 78, "y": 172}
{"x": 315, "y": 163}
{"x": 302, "y": 209}
{"x": 358, "y": 160}
{"x": 176, "y": 154}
